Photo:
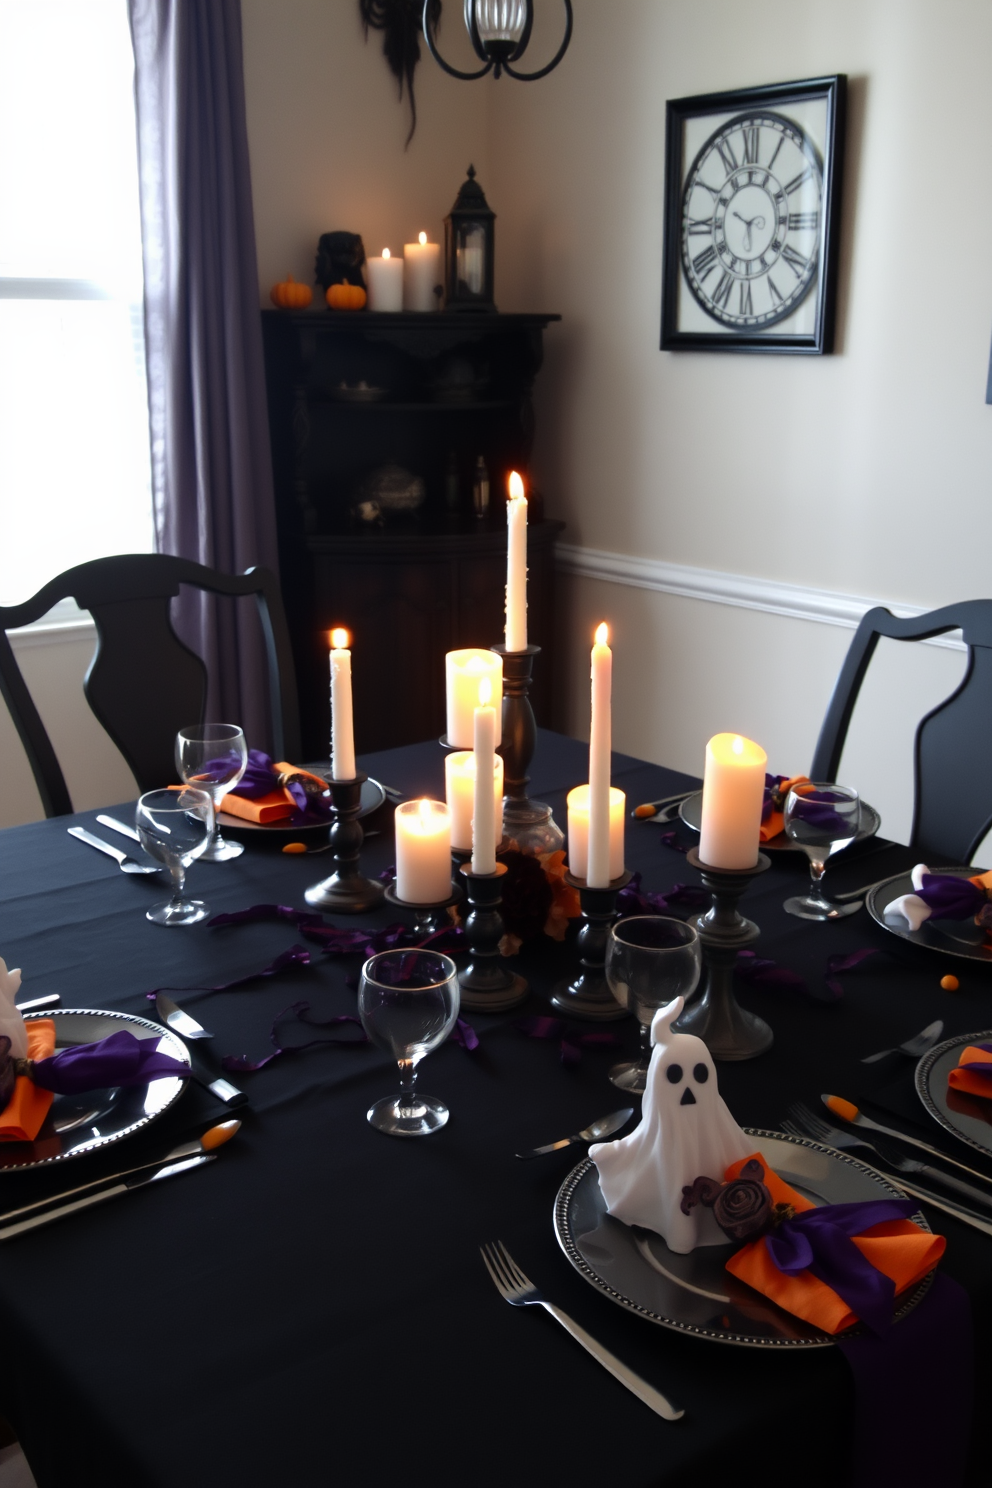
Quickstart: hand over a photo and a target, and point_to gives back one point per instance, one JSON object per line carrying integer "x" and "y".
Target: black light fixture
{"x": 469, "y": 241}
{"x": 499, "y": 31}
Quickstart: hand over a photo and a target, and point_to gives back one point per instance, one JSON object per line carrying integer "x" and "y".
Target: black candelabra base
{"x": 529, "y": 823}
{"x": 588, "y": 995}
{"x": 487, "y": 985}
{"x": 427, "y": 917}
{"x": 346, "y": 890}
{"x": 728, "y": 1030}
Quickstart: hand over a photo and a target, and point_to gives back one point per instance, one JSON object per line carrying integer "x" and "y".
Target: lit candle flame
{"x": 340, "y": 639}
{"x": 425, "y": 813}
{"x": 423, "y": 238}
{"x": 602, "y": 634}
{"x": 738, "y": 744}
{"x": 516, "y": 487}
{"x": 485, "y": 692}
{"x": 385, "y": 252}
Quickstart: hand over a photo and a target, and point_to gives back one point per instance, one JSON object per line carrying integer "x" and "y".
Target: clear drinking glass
{"x": 822, "y": 819}
{"x": 213, "y": 757}
{"x": 175, "y": 827}
{"x": 649, "y": 961}
{"x": 408, "y": 1002}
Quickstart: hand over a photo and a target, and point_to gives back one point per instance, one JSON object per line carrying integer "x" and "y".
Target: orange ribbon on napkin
{"x": 774, "y": 823}
{"x": 898, "y": 1248}
{"x": 27, "y": 1108}
{"x": 971, "y": 1081}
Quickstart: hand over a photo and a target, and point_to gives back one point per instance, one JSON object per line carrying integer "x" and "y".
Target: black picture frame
{"x": 831, "y": 94}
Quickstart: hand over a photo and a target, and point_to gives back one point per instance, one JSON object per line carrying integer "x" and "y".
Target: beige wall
{"x": 866, "y": 473}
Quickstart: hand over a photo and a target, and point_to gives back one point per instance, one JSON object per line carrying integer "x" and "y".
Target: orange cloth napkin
{"x": 276, "y": 806}
{"x": 29, "y": 1104}
{"x": 968, "y": 1080}
{"x": 774, "y": 826}
{"x": 898, "y": 1248}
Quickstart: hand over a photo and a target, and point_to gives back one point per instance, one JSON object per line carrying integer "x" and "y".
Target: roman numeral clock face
{"x": 751, "y": 210}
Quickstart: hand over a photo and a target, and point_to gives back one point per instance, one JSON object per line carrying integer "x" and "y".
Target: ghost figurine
{"x": 686, "y": 1132}
{"x": 11, "y": 1022}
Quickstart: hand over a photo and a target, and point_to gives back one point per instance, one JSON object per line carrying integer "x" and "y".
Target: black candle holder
{"x": 486, "y": 984}
{"x": 426, "y": 915}
{"x": 728, "y": 1030}
{"x": 528, "y": 822}
{"x": 346, "y": 890}
{"x": 588, "y": 995}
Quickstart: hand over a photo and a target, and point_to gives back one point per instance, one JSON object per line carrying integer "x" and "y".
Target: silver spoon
{"x": 126, "y": 864}
{"x": 604, "y": 1127}
{"x": 915, "y": 1047}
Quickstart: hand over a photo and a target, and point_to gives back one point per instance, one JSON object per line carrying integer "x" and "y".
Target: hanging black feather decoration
{"x": 401, "y": 22}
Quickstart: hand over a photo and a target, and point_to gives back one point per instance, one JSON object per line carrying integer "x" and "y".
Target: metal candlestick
{"x": 728, "y": 1030}
{"x": 426, "y": 916}
{"x": 346, "y": 891}
{"x": 486, "y": 984}
{"x": 588, "y": 995}
{"x": 529, "y": 822}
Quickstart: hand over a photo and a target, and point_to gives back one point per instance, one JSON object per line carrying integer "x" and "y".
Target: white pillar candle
{"x": 600, "y": 745}
{"x": 423, "y": 852}
{"x": 578, "y": 831}
{"x": 342, "y": 718}
{"x": 459, "y": 790}
{"x": 385, "y": 276}
{"x": 421, "y": 272}
{"x": 464, "y": 670}
{"x": 483, "y": 822}
{"x": 733, "y": 793}
{"x": 516, "y": 566}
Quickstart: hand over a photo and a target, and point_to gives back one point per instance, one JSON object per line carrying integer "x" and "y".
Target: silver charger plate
{"x": 691, "y": 814}
{"x": 961, "y": 938}
{"x": 693, "y": 1293}
{"x": 373, "y": 796}
{"x": 82, "y": 1123}
{"x": 965, "y": 1116}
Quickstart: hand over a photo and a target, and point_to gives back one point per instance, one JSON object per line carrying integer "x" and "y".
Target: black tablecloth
{"x": 311, "y": 1308}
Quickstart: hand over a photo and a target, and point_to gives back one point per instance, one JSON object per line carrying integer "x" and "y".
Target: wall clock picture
{"x": 752, "y": 198}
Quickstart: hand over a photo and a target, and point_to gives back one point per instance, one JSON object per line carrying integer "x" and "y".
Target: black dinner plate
{"x": 965, "y": 1116}
{"x": 961, "y": 938}
{"x": 373, "y": 797}
{"x": 691, "y": 813}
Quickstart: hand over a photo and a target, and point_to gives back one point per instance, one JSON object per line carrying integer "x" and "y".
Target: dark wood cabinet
{"x": 445, "y": 389}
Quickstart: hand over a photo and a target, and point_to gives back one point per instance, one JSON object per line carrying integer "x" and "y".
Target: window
{"x": 74, "y": 459}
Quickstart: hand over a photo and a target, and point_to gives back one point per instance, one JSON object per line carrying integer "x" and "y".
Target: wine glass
{"x": 649, "y": 961}
{"x": 408, "y": 1002}
{"x": 822, "y": 819}
{"x": 213, "y": 757}
{"x": 174, "y": 827}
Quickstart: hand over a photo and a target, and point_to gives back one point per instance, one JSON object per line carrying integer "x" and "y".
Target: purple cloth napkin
{"x": 950, "y": 898}
{"x": 261, "y": 777}
{"x": 120, "y": 1059}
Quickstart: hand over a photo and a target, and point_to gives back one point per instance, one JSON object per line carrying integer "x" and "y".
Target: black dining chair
{"x": 143, "y": 683}
{"x": 952, "y": 756}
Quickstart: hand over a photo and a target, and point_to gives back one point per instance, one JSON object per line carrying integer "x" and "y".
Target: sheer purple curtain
{"x": 211, "y": 461}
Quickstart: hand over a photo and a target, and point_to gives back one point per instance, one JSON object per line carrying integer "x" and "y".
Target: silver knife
{"x": 187, "y": 1027}
{"x": 8, "y": 1232}
{"x": 595, "y": 1132}
{"x": 947, "y": 1206}
{"x": 129, "y": 865}
{"x": 118, "y": 826}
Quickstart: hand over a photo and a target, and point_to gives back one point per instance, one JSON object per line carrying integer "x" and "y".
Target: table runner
{"x": 337, "y": 1323}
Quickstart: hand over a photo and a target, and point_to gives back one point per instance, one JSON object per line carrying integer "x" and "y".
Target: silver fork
{"x": 515, "y": 1288}
{"x": 914, "y": 1047}
{"x": 802, "y": 1122}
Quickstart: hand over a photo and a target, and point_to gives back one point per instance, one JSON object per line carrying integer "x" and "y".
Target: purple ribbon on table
{"x": 297, "y": 955}
{"x": 633, "y": 900}
{"x": 261, "y": 778}
{"x": 572, "y": 1043}
{"x": 241, "y": 1064}
{"x": 763, "y": 972}
{"x": 820, "y": 1241}
{"x": 119, "y": 1059}
{"x": 365, "y": 941}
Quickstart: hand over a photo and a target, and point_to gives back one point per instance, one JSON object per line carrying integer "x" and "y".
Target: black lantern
{"x": 499, "y": 31}
{"x": 469, "y": 237}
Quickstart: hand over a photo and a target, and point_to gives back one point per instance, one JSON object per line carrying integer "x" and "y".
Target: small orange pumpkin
{"x": 345, "y": 296}
{"x": 291, "y": 295}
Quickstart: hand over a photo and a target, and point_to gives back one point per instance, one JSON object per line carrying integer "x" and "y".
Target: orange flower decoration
{"x": 565, "y": 904}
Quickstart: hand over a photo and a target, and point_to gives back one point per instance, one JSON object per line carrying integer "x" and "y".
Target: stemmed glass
{"x": 213, "y": 757}
{"x": 174, "y": 827}
{"x": 822, "y": 819}
{"x": 408, "y": 1002}
{"x": 649, "y": 961}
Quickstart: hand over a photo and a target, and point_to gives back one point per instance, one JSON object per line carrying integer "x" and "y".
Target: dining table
{"x": 312, "y": 1308}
